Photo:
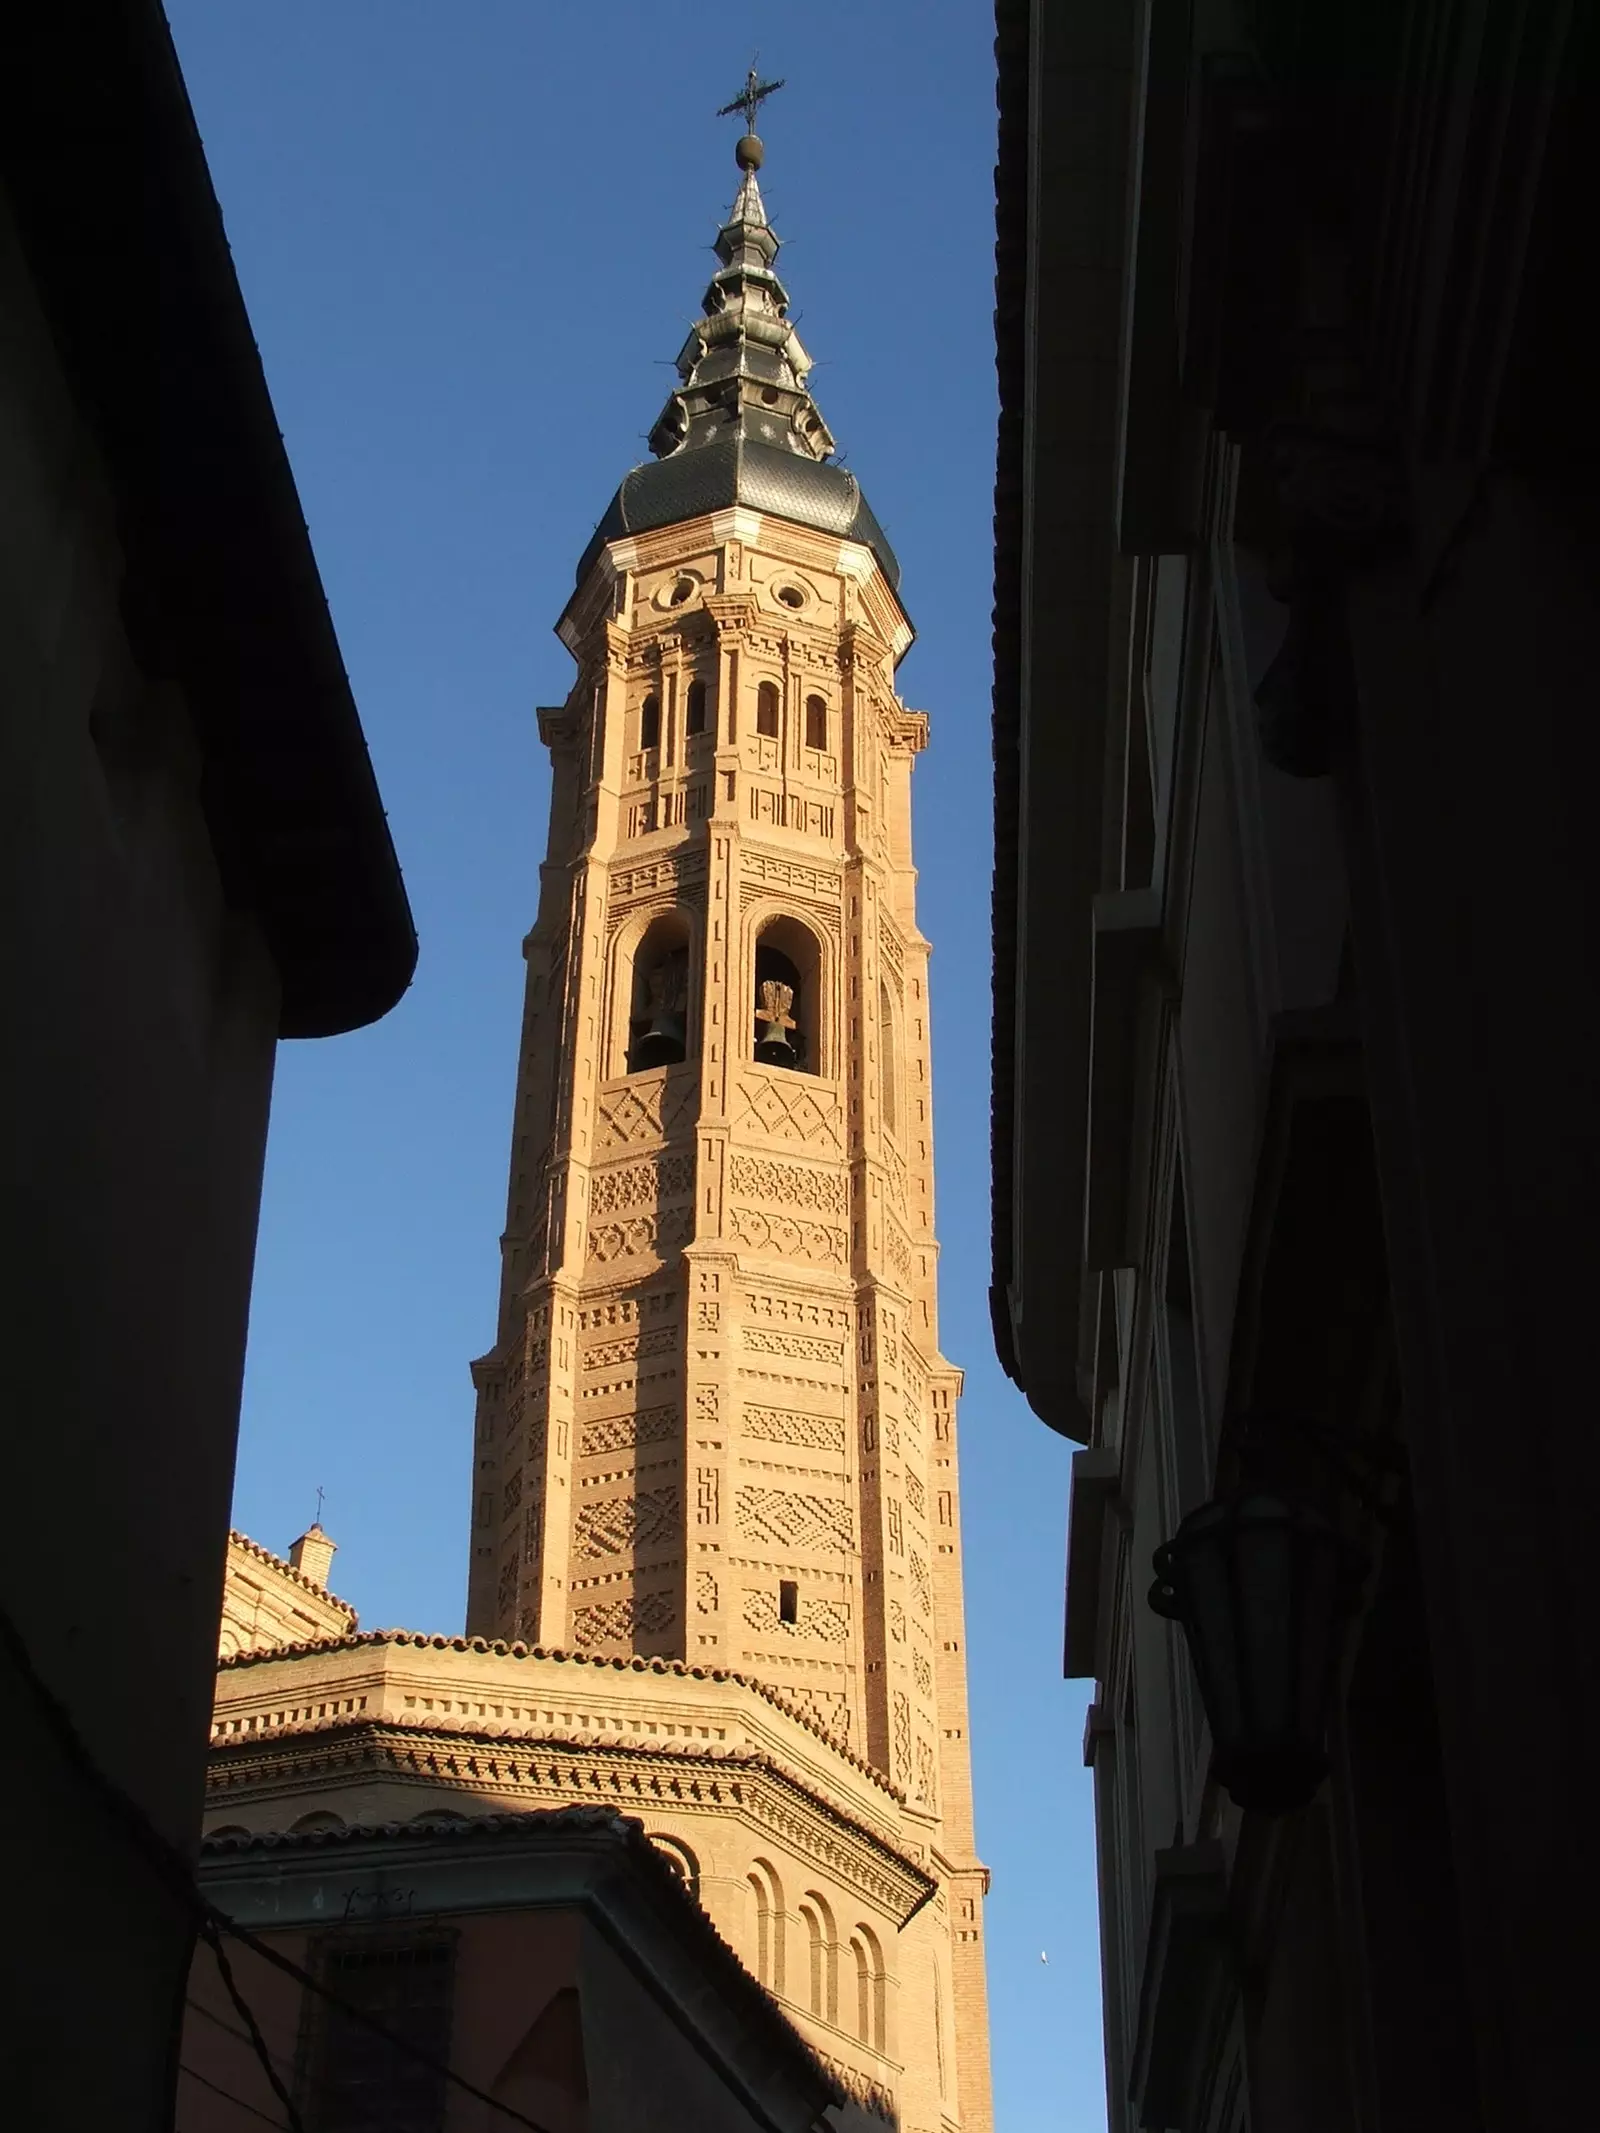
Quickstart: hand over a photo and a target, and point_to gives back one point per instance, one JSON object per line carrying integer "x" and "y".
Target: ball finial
{"x": 748, "y": 152}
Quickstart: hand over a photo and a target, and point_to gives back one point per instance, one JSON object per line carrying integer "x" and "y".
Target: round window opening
{"x": 680, "y": 592}
{"x": 769, "y": 395}
{"x": 791, "y": 596}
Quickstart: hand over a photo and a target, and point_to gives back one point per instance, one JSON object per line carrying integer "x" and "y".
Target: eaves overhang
{"x": 106, "y": 179}
{"x": 1060, "y": 235}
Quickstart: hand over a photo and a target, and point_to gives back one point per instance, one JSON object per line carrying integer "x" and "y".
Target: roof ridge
{"x": 298, "y": 1577}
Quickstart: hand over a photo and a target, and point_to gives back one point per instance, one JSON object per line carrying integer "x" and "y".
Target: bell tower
{"x": 716, "y": 1426}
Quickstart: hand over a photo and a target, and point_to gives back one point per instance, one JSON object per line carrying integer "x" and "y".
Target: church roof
{"x": 741, "y": 426}
{"x": 312, "y": 1646}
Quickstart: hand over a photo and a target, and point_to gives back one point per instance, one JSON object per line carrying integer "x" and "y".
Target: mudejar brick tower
{"x": 715, "y": 1426}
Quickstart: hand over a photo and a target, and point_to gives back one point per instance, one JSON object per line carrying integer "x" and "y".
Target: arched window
{"x": 888, "y": 1061}
{"x": 694, "y": 717}
{"x": 766, "y": 1892}
{"x": 867, "y": 1958}
{"x": 658, "y": 1013}
{"x": 822, "y": 1975}
{"x": 761, "y": 1905}
{"x": 767, "y": 709}
{"x": 650, "y": 722}
{"x": 681, "y": 1860}
{"x": 816, "y": 722}
{"x": 786, "y": 996}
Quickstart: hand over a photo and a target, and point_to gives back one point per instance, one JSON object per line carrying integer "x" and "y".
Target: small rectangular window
{"x": 788, "y": 1600}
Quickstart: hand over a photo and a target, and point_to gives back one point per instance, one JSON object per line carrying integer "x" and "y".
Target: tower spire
{"x": 743, "y": 370}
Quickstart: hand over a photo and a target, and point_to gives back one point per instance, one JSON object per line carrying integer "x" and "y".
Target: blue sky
{"x": 471, "y": 236}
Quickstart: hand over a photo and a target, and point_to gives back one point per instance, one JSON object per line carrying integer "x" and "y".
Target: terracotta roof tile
{"x": 501, "y": 1650}
{"x": 236, "y": 1539}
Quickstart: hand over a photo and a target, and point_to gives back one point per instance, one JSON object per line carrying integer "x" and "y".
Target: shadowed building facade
{"x": 1296, "y": 1026}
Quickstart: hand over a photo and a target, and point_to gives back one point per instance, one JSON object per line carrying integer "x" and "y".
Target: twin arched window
{"x": 787, "y": 990}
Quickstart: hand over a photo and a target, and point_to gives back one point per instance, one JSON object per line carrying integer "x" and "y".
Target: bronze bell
{"x": 773, "y": 1045}
{"x": 663, "y": 1040}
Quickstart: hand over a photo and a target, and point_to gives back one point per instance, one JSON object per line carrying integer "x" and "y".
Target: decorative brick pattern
{"x": 771, "y": 1235}
{"x": 828, "y": 1620}
{"x": 617, "y": 1523}
{"x": 786, "y": 1425}
{"x": 790, "y": 1111}
{"x": 642, "y": 1112}
{"x": 802, "y": 1347}
{"x": 793, "y": 1185}
{"x": 620, "y": 1433}
{"x": 619, "y": 1621}
{"x": 829, "y": 1707}
{"x": 787, "y": 1519}
{"x": 637, "y": 1185}
{"x": 641, "y": 1236}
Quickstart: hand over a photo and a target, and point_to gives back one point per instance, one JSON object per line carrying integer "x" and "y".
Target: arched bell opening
{"x": 786, "y": 996}
{"x": 658, "y": 1014}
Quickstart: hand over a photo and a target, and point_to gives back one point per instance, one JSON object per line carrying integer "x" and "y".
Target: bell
{"x": 660, "y": 1043}
{"x": 773, "y": 1046}
{"x": 663, "y": 1039}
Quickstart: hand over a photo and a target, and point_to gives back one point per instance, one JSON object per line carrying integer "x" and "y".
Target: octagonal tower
{"x": 716, "y": 1426}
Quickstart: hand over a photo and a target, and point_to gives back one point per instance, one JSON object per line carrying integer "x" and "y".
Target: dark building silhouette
{"x": 195, "y": 864}
{"x": 1296, "y": 1025}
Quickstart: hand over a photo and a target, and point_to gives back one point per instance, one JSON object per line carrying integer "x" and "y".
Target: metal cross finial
{"x": 317, "y": 1521}
{"x": 750, "y": 101}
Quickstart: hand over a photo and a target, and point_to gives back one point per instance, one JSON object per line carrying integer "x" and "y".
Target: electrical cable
{"x": 217, "y": 2090}
{"x": 229, "y": 2029}
{"x": 174, "y": 1872}
{"x": 258, "y": 2043}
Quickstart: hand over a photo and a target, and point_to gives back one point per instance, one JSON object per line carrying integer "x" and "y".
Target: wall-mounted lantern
{"x": 1262, "y": 1584}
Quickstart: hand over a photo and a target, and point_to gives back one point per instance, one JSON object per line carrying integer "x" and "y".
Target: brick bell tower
{"x": 716, "y": 1425}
